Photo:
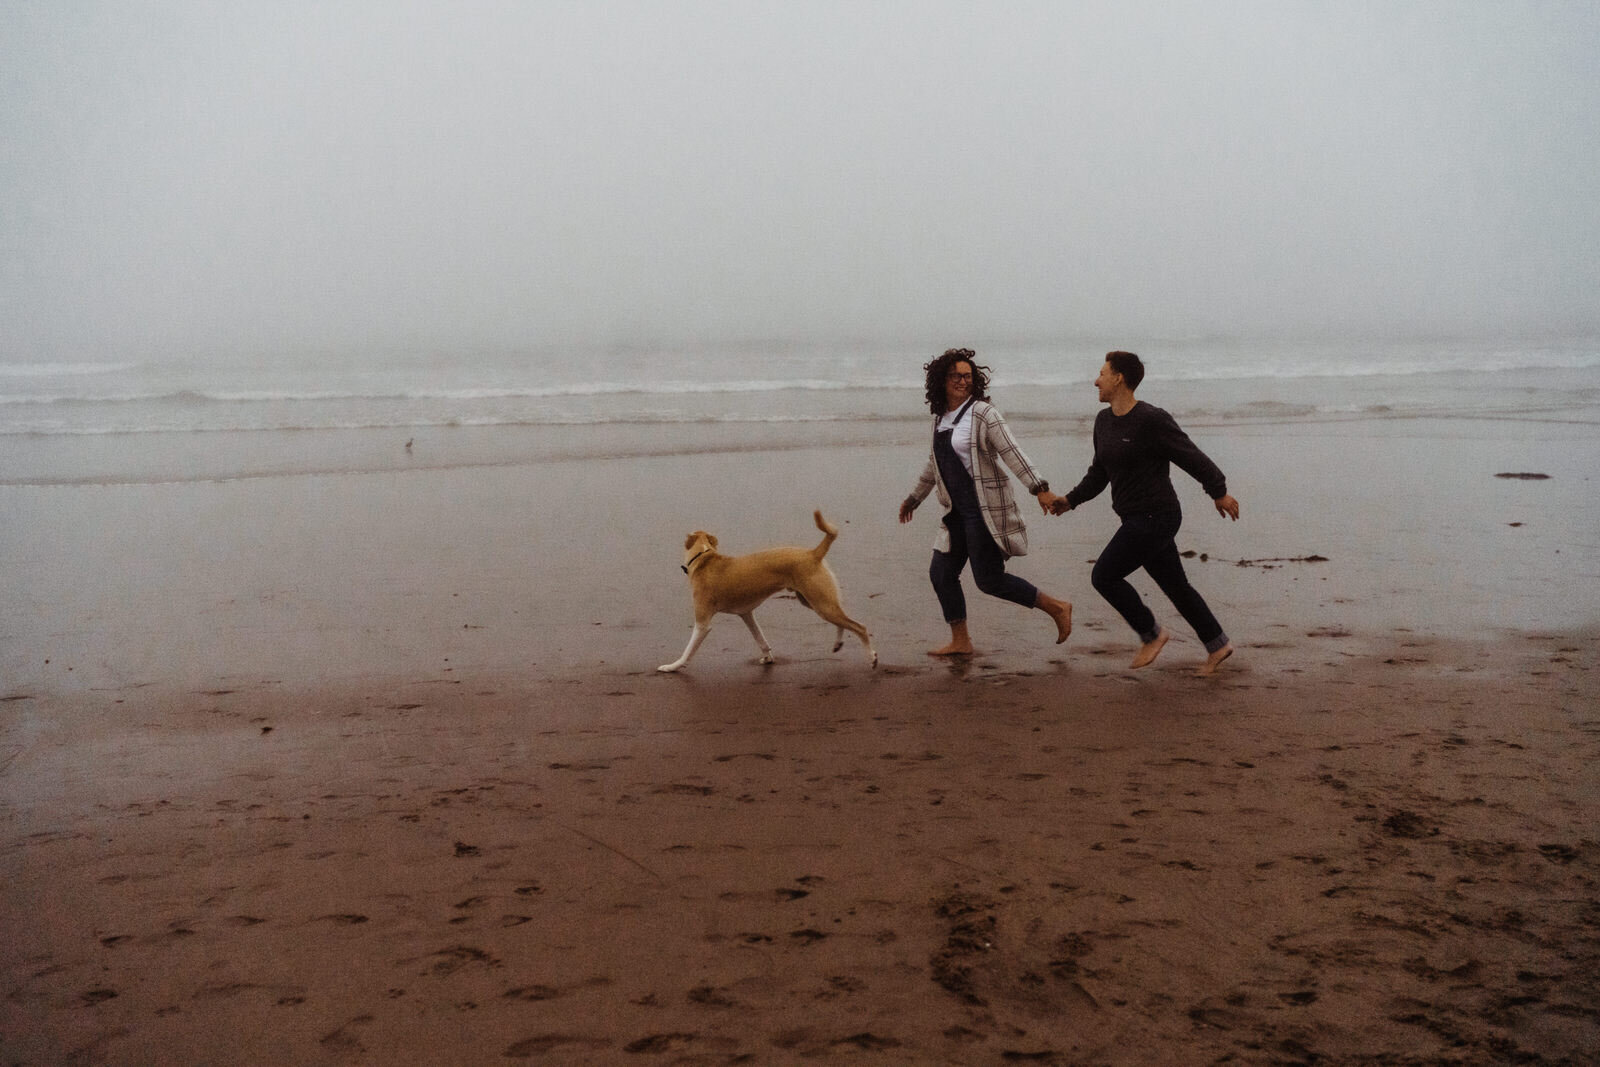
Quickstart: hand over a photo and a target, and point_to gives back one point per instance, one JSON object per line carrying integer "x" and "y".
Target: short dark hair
{"x": 938, "y": 368}
{"x": 1130, "y": 366}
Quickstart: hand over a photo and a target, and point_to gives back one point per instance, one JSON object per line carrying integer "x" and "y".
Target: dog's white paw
{"x": 766, "y": 659}
{"x": 837, "y": 645}
{"x": 670, "y": 668}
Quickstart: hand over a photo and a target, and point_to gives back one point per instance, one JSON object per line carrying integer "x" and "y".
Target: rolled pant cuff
{"x": 1216, "y": 642}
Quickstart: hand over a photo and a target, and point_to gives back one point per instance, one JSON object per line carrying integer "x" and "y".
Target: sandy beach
{"x": 365, "y": 368}
{"x": 376, "y": 768}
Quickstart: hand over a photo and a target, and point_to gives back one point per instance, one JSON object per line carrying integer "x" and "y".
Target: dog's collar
{"x": 697, "y": 555}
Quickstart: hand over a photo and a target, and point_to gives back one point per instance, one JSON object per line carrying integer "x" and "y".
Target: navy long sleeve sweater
{"x": 1132, "y": 453}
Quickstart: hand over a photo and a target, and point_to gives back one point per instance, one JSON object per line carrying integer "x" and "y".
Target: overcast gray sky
{"x": 350, "y": 175}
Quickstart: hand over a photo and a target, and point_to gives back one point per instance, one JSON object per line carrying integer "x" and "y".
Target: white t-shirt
{"x": 961, "y": 438}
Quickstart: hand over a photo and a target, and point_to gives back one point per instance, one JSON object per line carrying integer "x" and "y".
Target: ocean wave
{"x": 61, "y": 370}
{"x": 1023, "y": 379}
{"x": 553, "y": 392}
{"x": 1378, "y": 367}
{"x": 470, "y": 422}
{"x": 1259, "y": 412}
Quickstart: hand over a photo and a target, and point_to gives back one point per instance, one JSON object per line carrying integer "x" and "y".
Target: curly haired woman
{"x": 981, "y": 523}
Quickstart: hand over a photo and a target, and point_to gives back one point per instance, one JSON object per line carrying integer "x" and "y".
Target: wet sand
{"x": 378, "y": 769}
{"x": 1335, "y": 851}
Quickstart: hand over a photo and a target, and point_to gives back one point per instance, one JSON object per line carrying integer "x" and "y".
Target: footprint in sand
{"x": 659, "y": 1043}
{"x": 532, "y": 992}
{"x": 869, "y": 1042}
{"x": 783, "y": 894}
{"x": 711, "y": 997}
{"x": 343, "y": 1042}
{"x": 541, "y": 1044}
{"x": 684, "y": 789}
{"x": 448, "y": 961}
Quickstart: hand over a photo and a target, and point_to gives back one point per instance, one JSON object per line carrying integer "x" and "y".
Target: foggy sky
{"x": 259, "y": 178}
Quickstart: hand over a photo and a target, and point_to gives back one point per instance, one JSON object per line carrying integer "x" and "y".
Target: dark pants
{"x": 971, "y": 541}
{"x": 1148, "y": 541}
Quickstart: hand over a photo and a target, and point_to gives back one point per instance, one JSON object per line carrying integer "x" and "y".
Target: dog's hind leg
{"x": 761, "y": 638}
{"x": 695, "y": 638}
{"x": 823, "y": 599}
{"x": 835, "y": 614}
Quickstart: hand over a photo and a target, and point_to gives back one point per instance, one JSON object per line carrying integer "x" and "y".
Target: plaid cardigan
{"x": 992, "y": 445}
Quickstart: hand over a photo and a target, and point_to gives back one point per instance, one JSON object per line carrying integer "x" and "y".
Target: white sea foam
{"x": 1213, "y": 379}
{"x": 60, "y": 370}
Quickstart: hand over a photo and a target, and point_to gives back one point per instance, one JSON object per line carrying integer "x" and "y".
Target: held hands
{"x": 1057, "y": 505}
{"x": 1048, "y": 502}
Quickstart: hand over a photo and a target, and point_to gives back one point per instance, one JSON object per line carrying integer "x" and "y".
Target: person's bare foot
{"x": 1061, "y": 612}
{"x": 1214, "y": 661}
{"x": 1148, "y": 652}
{"x": 960, "y": 642}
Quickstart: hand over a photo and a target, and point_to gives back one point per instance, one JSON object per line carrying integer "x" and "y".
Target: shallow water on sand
{"x": 511, "y": 563}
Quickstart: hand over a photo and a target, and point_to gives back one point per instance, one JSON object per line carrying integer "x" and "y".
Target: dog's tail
{"x": 829, "y": 532}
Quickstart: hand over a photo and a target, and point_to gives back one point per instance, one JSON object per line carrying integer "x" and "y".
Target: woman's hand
{"x": 1047, "y": 502}
{"x": 1228, "y": 506}
{"x": 907, "y": 509}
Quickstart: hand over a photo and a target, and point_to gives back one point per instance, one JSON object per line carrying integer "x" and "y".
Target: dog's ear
{"x": 688, "y": 542}
{"x": 711, "y": 539}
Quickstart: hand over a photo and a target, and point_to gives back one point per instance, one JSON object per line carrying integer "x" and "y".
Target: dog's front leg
{"x": 761, "y": 638}
{"x": 695, "y": 638}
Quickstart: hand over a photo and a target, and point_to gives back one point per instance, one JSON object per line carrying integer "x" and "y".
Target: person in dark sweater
{"x": 1134, "y": 445}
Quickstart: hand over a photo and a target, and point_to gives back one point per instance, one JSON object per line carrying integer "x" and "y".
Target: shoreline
{"x": 485, "y": 447}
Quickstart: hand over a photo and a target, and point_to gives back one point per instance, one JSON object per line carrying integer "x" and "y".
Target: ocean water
{"x": 197, "y": 418}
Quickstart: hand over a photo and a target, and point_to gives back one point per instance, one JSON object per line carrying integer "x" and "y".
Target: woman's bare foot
{"x": 1214, "y": 661}
{"x": 1060, "y": 611}
{"x": 1148, "y": 652}
{"x": 960, "y": 643}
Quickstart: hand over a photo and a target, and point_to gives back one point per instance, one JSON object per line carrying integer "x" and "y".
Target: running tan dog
{"x": 737, "y": 585}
